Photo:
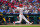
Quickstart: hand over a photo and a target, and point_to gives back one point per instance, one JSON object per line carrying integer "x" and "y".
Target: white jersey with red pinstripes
{"x": 20, "y": 10}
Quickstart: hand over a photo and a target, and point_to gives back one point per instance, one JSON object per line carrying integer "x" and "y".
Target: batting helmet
{"x": 20, "y": 5}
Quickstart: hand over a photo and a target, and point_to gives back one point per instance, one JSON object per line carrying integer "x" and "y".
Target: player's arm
{"x": 16, "y": 9}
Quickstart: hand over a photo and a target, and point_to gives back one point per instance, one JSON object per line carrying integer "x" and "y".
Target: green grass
{"x": 19, "y": 26}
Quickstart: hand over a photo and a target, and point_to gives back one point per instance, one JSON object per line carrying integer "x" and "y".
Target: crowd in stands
{"x": 7, "y": 6}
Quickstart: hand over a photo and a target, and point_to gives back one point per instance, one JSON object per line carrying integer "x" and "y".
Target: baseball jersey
{"x": 20, "y": 10}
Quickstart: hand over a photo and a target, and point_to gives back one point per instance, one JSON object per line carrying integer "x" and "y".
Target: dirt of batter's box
{"x": 20, "y": 25}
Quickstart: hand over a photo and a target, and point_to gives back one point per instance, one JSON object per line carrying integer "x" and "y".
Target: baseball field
{"x": 20, "y": 25}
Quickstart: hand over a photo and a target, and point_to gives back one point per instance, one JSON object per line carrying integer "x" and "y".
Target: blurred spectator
{"x": 30, "y": 4}
{"x": 18, "y": 18}
{"x": 0, "y": 9}
{"x": 4, "y": 12}
{"x": 39, "y": 10}
{"x": 30, "y": 1}
{"x": 13, "y": 10}
{"x": 35, "y": 11}
{"x": 38, "y": 1}
{"x": 12, "y": 0}
{"x": 8, "y": 21}
{"x": 3, "y": 6}
{"x": 34, "y": 1}
{"x": 1, "y": 18}
{"x": 10, "y": 11}
{"x": 39, "y": 20}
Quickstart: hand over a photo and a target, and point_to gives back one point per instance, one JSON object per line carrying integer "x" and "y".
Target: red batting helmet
{"x": 20, "y": 5}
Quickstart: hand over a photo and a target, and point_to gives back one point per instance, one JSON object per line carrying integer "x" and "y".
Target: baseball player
{"x": 21, "y": 16}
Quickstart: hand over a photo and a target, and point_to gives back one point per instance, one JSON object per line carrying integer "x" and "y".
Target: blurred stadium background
{"x": 8, "y": 14}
